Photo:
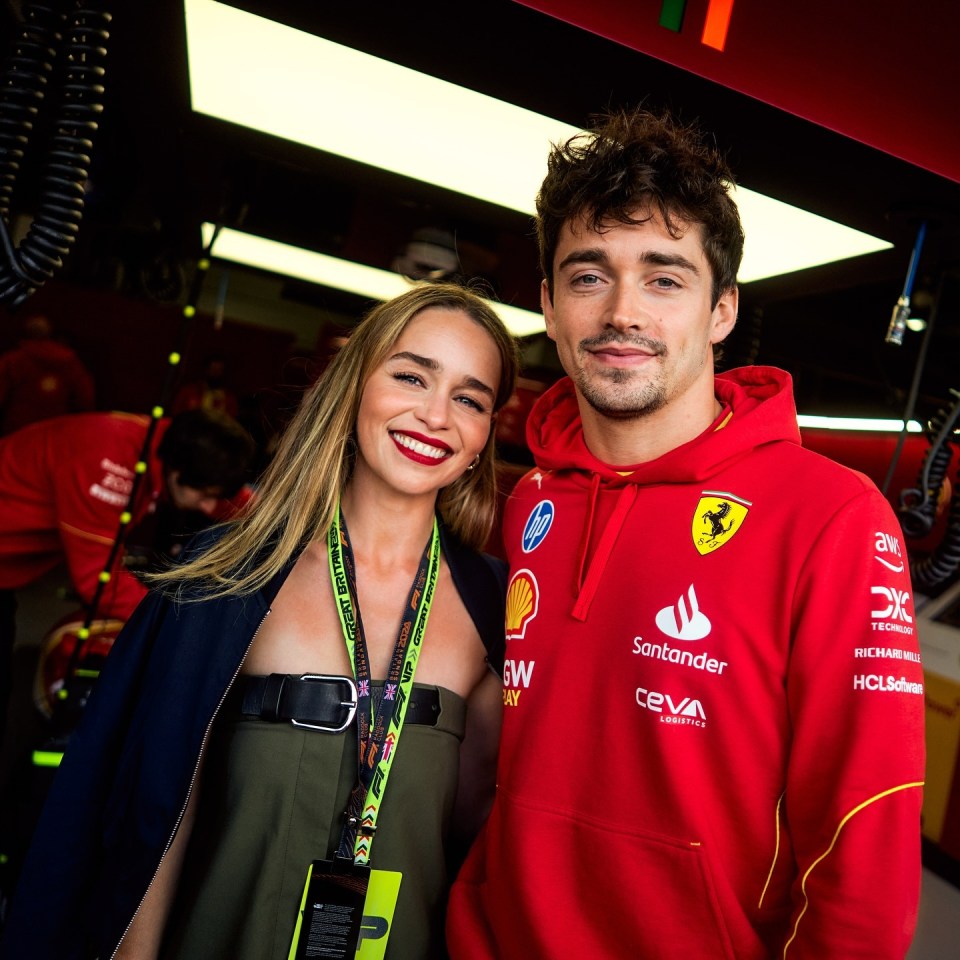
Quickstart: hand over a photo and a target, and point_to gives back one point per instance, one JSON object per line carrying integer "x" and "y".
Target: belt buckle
{"x": 350, "y": 704}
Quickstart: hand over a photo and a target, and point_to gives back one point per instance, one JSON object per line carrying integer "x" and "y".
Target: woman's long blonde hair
{"x": 300, "y": 489}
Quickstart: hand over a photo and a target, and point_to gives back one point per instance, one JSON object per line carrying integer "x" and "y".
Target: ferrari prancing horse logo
{"x": 717, "y": 518}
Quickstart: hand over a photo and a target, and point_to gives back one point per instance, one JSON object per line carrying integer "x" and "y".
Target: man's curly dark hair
{"x": 631, "y": 165}
{"x": 208, "y": 449}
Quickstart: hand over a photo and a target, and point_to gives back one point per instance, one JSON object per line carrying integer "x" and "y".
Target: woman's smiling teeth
{"x": 424, "y": 449}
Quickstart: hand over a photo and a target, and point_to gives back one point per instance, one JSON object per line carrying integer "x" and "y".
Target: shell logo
{"x": 523, "y": 600}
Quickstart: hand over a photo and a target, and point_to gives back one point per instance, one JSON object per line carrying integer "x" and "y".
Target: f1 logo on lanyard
{"x": 537, "y": 526}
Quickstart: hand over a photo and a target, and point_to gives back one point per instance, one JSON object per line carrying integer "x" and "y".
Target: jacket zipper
{"x": 193, "y": 780}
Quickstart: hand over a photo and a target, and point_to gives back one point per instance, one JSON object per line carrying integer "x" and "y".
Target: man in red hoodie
{"x": 64, "y": 483}
{"x": 713, "y": 699}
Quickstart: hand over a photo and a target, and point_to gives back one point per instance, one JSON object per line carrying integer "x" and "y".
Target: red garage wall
{"x": 885, "y": 73}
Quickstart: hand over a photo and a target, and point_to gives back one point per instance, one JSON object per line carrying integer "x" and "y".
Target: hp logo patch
{"x": 538, "y": 525}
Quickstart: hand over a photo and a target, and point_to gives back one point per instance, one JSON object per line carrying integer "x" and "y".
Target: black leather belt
{"x": 321, "y": 702}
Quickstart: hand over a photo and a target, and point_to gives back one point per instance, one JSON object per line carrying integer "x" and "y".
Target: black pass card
{"x": 331, "y": 910}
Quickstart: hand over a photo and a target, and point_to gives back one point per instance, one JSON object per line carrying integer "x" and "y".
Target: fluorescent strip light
{"x": 780, "y": 238}
{"x": 264, "y": 75}
{"x": 857, "y": 423}
{"x": 252, "y": 251}
{"x": 261, "y": 74}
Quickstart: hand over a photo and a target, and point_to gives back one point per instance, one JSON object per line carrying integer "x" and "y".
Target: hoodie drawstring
{"x": 588, "y": 586}
{"x": 587, "y": 529}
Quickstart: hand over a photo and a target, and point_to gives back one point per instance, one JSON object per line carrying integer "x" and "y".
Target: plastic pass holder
{"x": 346, "y": 912}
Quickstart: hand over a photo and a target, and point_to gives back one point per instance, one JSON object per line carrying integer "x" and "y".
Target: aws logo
{"x": 523, "y": 601}
{"x": 890, "y": 545}
{"x": 715, "y": 24}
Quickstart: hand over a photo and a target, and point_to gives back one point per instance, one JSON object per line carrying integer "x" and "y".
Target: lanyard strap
{"x": 378, "y": 724}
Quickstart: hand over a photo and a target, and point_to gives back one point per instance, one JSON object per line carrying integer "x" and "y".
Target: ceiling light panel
{"x": 270, "y": 77}
{"x": 267, "y": 76}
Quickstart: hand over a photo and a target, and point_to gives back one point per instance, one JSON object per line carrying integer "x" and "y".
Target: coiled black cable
{"x": 919, "y": 506}
{"x": 934, "y": 570}
{"x": 22, "y": 93}
{"x": 60, "y": 49}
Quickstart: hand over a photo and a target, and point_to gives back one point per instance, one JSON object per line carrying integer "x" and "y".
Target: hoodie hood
{"x": 759, "y": 398}
{"x": 758, "y": 408}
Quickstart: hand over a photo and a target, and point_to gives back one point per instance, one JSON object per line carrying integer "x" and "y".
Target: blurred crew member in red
{"x": 41, "y": 378}
{"x": 64, "y": 483}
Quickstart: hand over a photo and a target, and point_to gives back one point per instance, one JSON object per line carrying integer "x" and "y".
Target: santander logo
{"x": 684, "y": 621}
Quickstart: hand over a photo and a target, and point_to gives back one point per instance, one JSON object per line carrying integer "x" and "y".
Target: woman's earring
{"x": 474, "y": 462}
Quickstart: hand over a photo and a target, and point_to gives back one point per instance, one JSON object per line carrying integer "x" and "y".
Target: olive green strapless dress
{"x": 272, "y": 799}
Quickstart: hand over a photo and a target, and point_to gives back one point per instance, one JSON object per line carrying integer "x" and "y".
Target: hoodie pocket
{"x": 552, "y": 884}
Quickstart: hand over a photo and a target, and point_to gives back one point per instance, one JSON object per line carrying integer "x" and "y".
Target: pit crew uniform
{"x": 64, "y": 483}
{"x": 713, "y": 722}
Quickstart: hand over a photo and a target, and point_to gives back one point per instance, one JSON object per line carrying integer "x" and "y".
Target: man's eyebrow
{"x": 428, "y": 363}
{"x": 583, "y": 255}
{"x": 655, "y": 258}
{"x": 658, "y": 259}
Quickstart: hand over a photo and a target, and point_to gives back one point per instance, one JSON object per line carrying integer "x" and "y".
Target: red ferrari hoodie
{"x": 713, "y": 704}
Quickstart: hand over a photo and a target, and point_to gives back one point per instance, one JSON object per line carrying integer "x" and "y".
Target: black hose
{"x": 930, "y": 572}
{"x": 58, "y": 50}
{"x": 919, "y": 506}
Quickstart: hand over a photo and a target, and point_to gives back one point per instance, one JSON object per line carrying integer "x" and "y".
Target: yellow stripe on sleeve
{"x": 833, "y": 843}
{"x": 86, "y": 534}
